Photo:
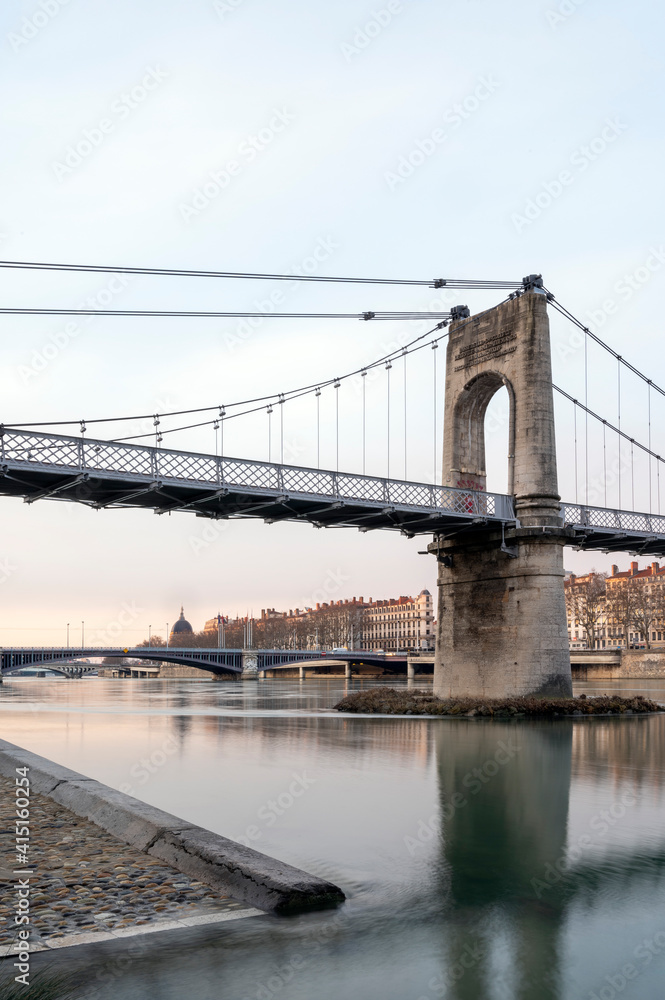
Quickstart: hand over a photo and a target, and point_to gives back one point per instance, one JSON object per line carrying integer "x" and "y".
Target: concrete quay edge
{"x": 239, "y": 871}
{"x": 103, "y": 936}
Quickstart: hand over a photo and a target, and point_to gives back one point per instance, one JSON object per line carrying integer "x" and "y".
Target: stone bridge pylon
{"x": 501, "y": 617}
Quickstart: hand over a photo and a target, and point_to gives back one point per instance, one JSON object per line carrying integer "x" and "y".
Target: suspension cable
{"x": 405, "y": 354}
{"x": 577, "y": 499}
{"x": 292, "y": 393}
{"x": 269, "y": 412}
{"x": 619, "y": 423}
{"x": 413, "y": 346}
{"x": 580, "y": 325}
{"x": 388, "y": 367}
{"x": 281, "y": 430}
{"x": 192, "y": 273}
{"x": 605, "y": 462}
{"x": 363, "y": 376}
{"x": 337, "y": 385}
{"x": 611, "y": 427}
{"x": 658, "y": 475}
{"x": 369, "y": 314}
{"x": 586, "y": 418}
{"x": 649, "y": 419}
{"x": 434, "y": 409}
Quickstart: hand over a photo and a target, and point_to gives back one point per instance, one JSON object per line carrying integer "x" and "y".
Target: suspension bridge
{"x": 482, "y": 540}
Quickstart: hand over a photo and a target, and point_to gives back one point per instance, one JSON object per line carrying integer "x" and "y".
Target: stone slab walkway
{"x": 90, "y": 886}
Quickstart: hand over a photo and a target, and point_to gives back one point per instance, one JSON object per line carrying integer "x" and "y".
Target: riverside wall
{"x": 638, "y": 664}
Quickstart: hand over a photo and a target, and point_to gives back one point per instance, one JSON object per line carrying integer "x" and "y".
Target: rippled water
{"x": 480, "y": 859}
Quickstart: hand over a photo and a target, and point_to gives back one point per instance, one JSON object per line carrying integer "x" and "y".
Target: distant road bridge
{"x": 68, "y": 669}
{"x": 235, "y": 662}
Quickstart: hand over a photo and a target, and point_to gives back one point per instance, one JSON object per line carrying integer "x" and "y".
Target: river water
{"x": 481, "y": 859}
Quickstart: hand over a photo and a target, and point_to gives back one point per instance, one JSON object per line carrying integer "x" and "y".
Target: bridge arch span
{"x": 215, "y": 661}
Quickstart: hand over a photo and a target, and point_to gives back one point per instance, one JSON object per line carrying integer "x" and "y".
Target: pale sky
{"x": 547, "y": 158}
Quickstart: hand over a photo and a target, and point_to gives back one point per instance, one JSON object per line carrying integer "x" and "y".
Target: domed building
{"x": 182, "y": 626}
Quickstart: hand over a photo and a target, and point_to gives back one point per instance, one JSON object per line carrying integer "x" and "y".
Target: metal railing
{"x": 119, "y": 460}
{"x": 616, "y": 521}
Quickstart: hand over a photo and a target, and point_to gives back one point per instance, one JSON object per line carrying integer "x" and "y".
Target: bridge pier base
{"x": 301, "y": 673}
{"x": 410, "y": 671}
{"x": 347, "y": 671}
{"x": 502, "y": 618}
{"x": 250, "y": 664}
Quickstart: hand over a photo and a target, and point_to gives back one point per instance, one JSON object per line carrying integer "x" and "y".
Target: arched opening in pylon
{"x": 484, "y": 430}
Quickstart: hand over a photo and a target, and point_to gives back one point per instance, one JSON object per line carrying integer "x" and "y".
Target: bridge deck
{"x": 101, "y": 474}
{"x": 36, "y": 465}
{"x": 606, "y": 530}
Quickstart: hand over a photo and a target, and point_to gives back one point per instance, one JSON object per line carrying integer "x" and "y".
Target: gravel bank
{"x": 87, "y": 881}
{"x": 389, "y": 701}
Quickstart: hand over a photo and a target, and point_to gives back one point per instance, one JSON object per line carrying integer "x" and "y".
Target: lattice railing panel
{"x": 120, "y": 458}
{"x": 22, "y": 447}
{"x": 116, "y": 458}
{"x": 361, "y": 488}
{"x": 578, "y": 515}
{"x": 308, "y": 481}
{"x": 255, "y": 475}
{"x": 198, "y": 467}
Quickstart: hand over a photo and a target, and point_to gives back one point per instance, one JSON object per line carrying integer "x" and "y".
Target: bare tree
{"x": 637, "y": 607}
{"x": 587, "y": 604}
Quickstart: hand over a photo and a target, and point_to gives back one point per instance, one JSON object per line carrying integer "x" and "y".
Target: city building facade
{"x": 623, "y": 609}
{"x": 402, "y": 623}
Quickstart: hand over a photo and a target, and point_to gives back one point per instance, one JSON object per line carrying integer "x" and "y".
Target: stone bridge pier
{"x": 501, "y": 616}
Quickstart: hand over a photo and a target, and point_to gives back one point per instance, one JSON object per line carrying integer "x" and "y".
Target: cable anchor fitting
{"x": 533, "y": 282}
{"x": 459, "y": 312}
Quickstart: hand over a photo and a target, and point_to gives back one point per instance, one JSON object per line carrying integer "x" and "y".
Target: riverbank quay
{"x": 84, "y": 885}
{"x": 100, "y": 861}
{"x": 392, "y": 701}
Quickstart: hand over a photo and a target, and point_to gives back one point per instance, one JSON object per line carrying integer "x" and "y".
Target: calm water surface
{"x": 481, "y": 859}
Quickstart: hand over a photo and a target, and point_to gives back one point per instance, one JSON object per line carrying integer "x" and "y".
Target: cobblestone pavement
{"x": 87, "y": 881}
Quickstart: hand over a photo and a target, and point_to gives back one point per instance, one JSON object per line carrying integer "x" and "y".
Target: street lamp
{"x": 67, "y": 635}
{"x": 149, "y": 635}
{"x": 82, "y": 635}
{"x": 167, "y": 635}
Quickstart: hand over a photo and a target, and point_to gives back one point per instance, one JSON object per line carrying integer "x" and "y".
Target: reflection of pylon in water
{"x": 501, "y": 825}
